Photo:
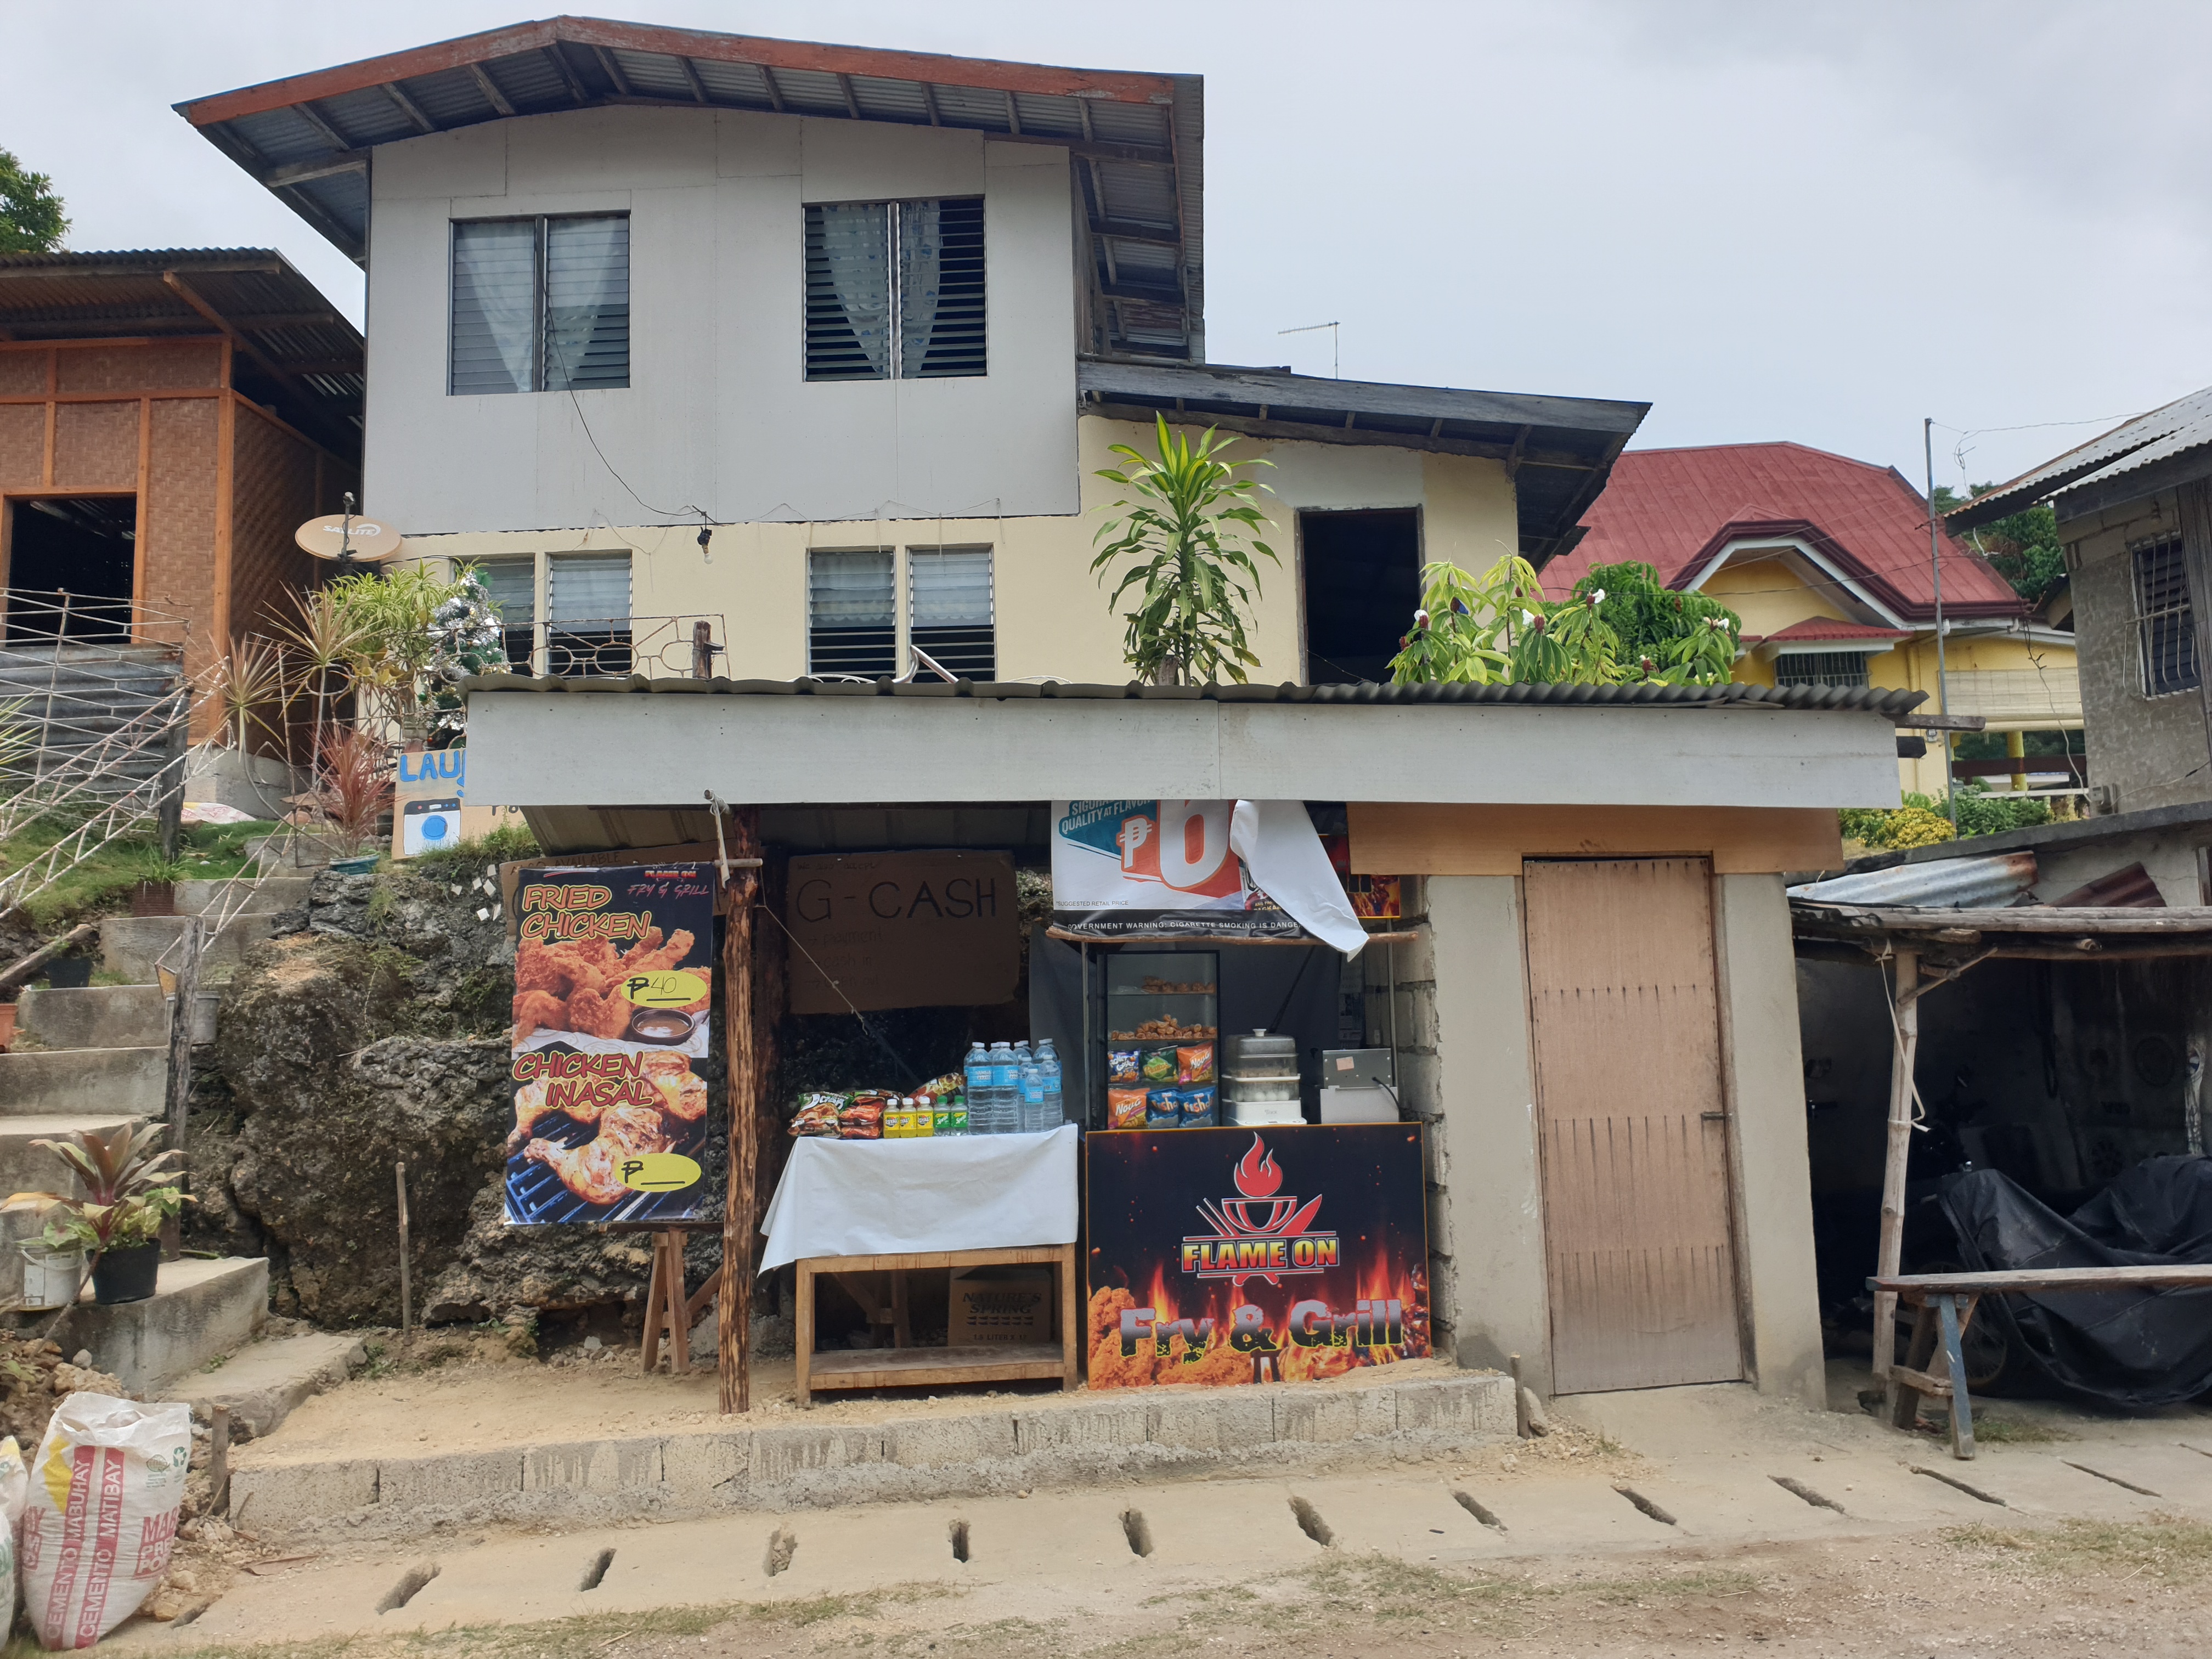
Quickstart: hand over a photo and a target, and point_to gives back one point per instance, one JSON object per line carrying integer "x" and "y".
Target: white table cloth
{"x": 898, "y": 1197}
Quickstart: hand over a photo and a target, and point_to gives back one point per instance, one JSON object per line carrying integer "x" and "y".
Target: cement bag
{"x": 14, "y": 1484}
{"x": 100, "y": 1517}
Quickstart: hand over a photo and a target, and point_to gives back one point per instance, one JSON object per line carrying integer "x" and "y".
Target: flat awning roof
{"x": 652, "y": 744}
{"x": 1560, "y": 450}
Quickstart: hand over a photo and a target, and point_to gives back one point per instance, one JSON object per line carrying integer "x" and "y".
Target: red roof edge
{"x": 1830, "y": 627}
{"x": 1115, "y": 85}
{"x": 1836, "y": 554}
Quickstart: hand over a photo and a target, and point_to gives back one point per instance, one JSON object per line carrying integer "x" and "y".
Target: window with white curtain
{"x": 950, "y": 594}
{"x": 540, "y": 304}
{"x": 511, "y": 584}
{"x": 587, "y": 623}
{"x": 895, "y": 290}
{"x": 852, "y": 613}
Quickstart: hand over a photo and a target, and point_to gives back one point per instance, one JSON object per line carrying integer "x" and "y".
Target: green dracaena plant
{"x": 1192, "y": 529}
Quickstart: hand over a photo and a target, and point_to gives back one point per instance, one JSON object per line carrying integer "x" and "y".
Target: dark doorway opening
{"x": 1361, "y": 572}
{"x": 71, "y": 561}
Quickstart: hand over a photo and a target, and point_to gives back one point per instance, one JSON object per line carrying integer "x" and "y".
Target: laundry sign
{"x": 901, "y": 930}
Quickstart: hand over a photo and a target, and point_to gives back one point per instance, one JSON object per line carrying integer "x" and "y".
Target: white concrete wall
{"x": 1466, "y": 1011}
{"x": 718, "y": 413}
{"x": 1764, "y": 1070}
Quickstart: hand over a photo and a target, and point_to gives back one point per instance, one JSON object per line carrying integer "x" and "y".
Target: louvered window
{"x": 587, "y": 630}
{"x": 2166, "y": 623}
{"x": 895, "y": 290}
{"x": 1821, "y": 668}
{"x": 540, "y": 304}
{"x": 852, "y": 614}
{"x": 512, "y": 587}
{"x": 951, "y": 596}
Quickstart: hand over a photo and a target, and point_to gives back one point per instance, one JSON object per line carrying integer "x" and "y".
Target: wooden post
{"x": 176, "y": 746}
{"x": 180, "y": 1063}
{"x": 219, "y": 1459}
{"x": 1903, "y": 1050}
{"x": 736, "y": 1301}
{"x": 406, "y": 1283}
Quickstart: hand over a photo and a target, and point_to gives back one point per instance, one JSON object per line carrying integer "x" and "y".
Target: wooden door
{"x": 1632, "y": 1121}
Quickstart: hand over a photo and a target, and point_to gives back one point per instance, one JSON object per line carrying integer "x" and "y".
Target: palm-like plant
{"x": 326, "y": 637}
{"x": 353, "y": 783}
{"x": 248, "y": 679}
{"x": 1194, "y": 577}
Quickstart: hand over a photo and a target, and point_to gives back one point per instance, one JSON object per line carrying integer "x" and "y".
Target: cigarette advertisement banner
{"x": 1152, "y": 868}
{"x": 1224, "y": 1256}
{"x": 613, "y": 984}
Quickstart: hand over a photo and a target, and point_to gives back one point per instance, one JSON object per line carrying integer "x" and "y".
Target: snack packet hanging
{"x": 1124, "y": 1108}
{"x": 1159, "y": 1066}
{"x": 1199, "y": 1110}
{"x": 1121, "y": 1066}
{"x": 1194, "y": 1064}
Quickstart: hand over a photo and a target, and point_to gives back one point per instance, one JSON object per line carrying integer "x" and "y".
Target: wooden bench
{"x": 1943, "y": 1306}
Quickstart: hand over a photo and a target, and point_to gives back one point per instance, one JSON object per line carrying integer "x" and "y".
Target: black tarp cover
{"x": 2132, "y": 1347}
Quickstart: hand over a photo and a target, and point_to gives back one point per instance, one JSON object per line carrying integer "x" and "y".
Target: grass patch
{"x": 103, "y": 882}
{"x": 502, "y": 846}
{"x": 2167, "y": 1548}
{"x": 2018, "y": 1431}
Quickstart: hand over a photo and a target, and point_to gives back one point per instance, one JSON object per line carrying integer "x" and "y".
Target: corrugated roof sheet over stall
{"x": 2182, "y": 425}
{"x": 1873, "y": 699}
{"x": 1134, "y": 139}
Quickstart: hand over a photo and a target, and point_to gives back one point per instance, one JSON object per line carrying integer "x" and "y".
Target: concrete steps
{"x": 198, "y": 898}
{"x": 129, "y": 1082}
{"x": 131, "y": 945}
{"x": 263, "y": 1380}
{"x": 107, "y": 1017}
{"x": 201, "y": 1311}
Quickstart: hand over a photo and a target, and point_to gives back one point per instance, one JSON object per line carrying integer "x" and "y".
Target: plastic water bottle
{"x": 979, "y": 1079}
{"x": 1006, "y": 1091}
{"x": 1032, "y": 1095}
{"x": 1054, "y": 1114}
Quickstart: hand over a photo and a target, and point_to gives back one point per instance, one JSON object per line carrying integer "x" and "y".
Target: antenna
{"x": 1335, "y": 365}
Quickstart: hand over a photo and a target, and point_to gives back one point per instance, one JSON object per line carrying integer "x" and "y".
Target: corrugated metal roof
{"x": 1957, "y": 883}
{"x": 2183, "y": 424}
{"x": 1827, "y": 627}
{"x": 308, "y": 353}
{"x": 1676, "y": 510}
{"x": 1558, "y": 449}
{"x": 1134, "y": 140}
{"x": 1811, "y": 698}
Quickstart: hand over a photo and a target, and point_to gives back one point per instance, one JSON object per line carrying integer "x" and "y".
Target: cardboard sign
{"x": 1255, "y": 1256}
{"x": 613, "y": 989}
{"x": 901, "y": 930}
{"x": 431, "y": 806}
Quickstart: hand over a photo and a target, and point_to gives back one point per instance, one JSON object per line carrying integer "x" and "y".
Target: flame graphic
{"x": 1256, "y": 1174}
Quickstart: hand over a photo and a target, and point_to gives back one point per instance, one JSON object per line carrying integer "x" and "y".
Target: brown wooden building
{"x": 167, "y": 418}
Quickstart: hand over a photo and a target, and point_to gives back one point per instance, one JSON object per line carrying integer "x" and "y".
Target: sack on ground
{"x": 14, "y": 1484}
{"x": 100, "y": 1517}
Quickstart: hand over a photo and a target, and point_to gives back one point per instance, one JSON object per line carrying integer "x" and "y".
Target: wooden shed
{"x": 167, "y": 418}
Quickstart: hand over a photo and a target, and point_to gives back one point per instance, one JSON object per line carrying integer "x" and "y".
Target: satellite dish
{"x": 338, "y": 535}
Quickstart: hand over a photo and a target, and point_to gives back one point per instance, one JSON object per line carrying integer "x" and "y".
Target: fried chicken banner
{"x": 1255, "y": 1256}
{"x": 613, "y": 986}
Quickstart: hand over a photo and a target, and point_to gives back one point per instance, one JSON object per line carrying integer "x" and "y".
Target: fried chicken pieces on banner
{"x": 576, "y": 985}
{"x": 594, "y": 1170}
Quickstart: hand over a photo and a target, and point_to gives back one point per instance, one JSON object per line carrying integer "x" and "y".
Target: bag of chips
{"x": 1194, "y": 1064}
{"x": 1125, "y": 1108}
{"x": 817, "y": 1114}
{"x": 1198, "y": 1108}
{"x": 1121, "y": 1066}
{"x": 861, "y": 1117}
{"x": 1159, "y": 1066}
{"x": 1163, "y": 1110}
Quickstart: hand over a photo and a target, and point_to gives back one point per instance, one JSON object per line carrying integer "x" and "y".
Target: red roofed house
{"x": 1826, "y": 561}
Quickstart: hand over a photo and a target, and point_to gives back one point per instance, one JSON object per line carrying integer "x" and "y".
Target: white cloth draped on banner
{"x": 1196, "y": 869}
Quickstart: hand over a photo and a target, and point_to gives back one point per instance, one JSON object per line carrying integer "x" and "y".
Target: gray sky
{"x": 1812, "y": 222}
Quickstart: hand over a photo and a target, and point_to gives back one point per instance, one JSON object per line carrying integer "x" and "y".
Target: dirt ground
{"x": 2142, "y": 1590}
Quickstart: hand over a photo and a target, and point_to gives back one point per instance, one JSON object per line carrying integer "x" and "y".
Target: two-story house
{"x": 824, "y": 347}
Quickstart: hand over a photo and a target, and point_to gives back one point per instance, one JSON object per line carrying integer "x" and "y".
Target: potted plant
{"x": 130, "y": 1191}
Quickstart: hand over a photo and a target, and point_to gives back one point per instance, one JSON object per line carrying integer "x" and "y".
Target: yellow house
{"x": 1826, "y": 560}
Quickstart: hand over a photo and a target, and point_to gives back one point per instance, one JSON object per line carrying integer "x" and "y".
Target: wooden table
{"x": 1943, "y": 1306}
{"x": 905, "y": 1366}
